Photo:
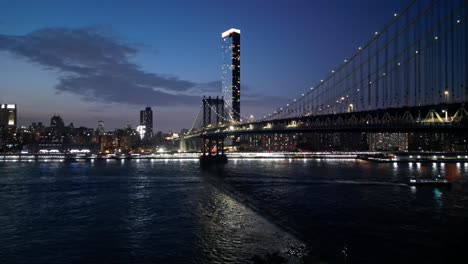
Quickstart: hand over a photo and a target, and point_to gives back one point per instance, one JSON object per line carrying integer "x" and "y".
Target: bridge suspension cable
{"x": 391, "y": 68}
{"x": 196, "y": 119}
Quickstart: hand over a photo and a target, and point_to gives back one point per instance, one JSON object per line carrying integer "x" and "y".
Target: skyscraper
{"x": 146, "y": 119}
{"x": 8, "y": 115}
{"x": 100, "y": 129}
{"x": 231, "y": 73}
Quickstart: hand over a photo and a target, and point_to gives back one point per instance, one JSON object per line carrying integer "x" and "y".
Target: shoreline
{"x": 377, "y": 157}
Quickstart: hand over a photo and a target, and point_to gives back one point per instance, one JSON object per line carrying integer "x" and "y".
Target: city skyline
{"x": 127, "y": 134}
{"x": 172, "y": 79}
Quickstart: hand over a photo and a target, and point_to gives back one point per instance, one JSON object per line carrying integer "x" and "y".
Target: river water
{"x": 171, "y": 211}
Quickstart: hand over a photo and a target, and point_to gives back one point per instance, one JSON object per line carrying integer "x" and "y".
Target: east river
{"x": 171, "y": 211}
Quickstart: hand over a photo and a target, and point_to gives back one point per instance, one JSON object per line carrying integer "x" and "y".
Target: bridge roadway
{"x": 447, "y": 118}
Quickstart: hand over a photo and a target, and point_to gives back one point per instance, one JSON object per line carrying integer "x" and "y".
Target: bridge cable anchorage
{"x": 330, "y": 99}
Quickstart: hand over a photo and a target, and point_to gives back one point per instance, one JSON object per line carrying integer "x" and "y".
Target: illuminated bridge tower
{"x": 231, "y": 74}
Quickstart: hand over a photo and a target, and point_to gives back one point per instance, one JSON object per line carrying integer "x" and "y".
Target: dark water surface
{"x": 173, "y": 212}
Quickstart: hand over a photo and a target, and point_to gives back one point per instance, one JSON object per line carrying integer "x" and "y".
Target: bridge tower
{"x": 213, "y": 145}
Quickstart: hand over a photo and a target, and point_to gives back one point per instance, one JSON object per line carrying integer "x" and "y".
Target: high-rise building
{"x": 100, "y": 129}
{"x": 146, "y": 119}
{"x": 231, "y": 74}
{"x": 8, "y": 115}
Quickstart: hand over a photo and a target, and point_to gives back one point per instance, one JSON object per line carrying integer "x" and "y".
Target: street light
{"x": 446, "y": 115}
{"x": 446, "y": 94}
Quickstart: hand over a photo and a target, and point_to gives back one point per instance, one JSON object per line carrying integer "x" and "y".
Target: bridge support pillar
{"x": 213, "y": 151}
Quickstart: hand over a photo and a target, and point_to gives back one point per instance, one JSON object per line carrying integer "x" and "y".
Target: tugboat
{"x": 437, "y": 181}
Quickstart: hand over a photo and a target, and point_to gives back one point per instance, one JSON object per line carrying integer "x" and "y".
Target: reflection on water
{"x": 161, "y": 211}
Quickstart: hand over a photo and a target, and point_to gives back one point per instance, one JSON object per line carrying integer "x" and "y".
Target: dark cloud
{"x": 97, "y": 65}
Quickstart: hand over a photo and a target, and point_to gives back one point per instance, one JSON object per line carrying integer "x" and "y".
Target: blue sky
{"x": 93, "y": 61}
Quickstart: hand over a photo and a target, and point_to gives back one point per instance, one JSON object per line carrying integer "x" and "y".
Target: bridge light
{"x": 302, "y": 94}
{"x": 311, "y": 88}
{"x": 399, "y": 64}
{"x": 321, "y": 80}
{"x": 417, "y": 51}
{"x": 376, "y": 33}
{"x": 458, "y": 21}
{"x": 333, "y": 71}
{"x": 436, "y": 37}
{"x": 287, "y": 104}
{"x": 345, "y": 61}
{"x": 395, "y": 14}
{"x": 294, "y": 100}
{"x": 360, "y": 48}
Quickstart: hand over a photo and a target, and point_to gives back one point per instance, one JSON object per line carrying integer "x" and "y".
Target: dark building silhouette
{"x": 146, "y": 119}
{"x": 57, "y": 122}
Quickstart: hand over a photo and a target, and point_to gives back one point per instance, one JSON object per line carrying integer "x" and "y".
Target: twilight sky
{"x": 106, "y": 60}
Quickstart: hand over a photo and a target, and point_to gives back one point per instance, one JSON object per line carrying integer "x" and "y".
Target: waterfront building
{"x": 100, "y": 128}
{"x": 146, "y": 121}
{"x": 8, "y": 115}
{"x": 141, "y": 130}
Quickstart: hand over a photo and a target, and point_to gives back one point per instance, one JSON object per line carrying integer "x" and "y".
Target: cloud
{"x": 98, "y": 67}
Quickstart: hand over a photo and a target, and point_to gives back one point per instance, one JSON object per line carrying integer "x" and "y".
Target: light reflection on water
{"x": 171, "y": 211}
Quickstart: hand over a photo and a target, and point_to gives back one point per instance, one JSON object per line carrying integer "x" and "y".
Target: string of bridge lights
{"x": 360, "y": 50}
{"x": 322, "y": 81}
{"x": 346, "y": 61}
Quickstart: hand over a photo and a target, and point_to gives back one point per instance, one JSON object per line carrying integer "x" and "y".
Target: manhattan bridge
{"x": 410, "y": 77}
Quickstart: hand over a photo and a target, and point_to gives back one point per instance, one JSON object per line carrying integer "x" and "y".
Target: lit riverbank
{"x": 369, "y": 156}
